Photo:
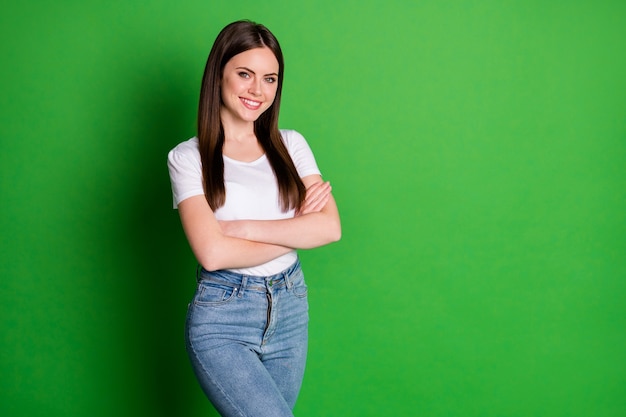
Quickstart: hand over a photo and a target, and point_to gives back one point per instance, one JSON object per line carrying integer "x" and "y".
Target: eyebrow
{"x": 248, "y": 69}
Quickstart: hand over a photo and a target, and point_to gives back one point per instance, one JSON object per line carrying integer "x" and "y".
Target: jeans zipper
{"x": 269, "y": 314}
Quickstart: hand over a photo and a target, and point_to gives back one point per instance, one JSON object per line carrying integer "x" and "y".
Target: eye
{"x": 270, "y": 80}
{"x": 244, "y": 74}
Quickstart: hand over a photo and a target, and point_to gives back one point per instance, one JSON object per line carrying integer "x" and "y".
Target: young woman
{"x": 249, "y": 195}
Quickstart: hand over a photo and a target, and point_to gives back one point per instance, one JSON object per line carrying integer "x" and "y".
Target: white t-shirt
{"x": 251, "y": 188}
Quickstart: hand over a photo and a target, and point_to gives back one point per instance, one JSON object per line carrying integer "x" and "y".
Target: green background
{"x": 477, "y": 151}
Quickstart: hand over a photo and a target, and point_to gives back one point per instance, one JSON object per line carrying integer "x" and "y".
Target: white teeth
{"x": 251, "y": 103}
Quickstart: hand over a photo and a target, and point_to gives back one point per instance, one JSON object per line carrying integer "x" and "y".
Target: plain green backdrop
{"x": 477, "y": 151}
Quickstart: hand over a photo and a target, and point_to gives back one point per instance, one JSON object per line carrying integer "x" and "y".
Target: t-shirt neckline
{"x": 238, "y": 162}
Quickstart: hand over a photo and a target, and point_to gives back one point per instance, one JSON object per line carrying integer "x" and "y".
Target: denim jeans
{"x": 247, "y": 340}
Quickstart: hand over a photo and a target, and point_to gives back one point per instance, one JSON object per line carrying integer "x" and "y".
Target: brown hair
{"x": 234, "y": 39}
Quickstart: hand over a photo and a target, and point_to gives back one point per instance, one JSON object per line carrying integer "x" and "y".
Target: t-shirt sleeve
{"x": 185, "y": 173}
{"x": 300, "y": 153}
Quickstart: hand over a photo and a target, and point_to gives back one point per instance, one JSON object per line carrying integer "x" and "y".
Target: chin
{"x": 252, "y": 117}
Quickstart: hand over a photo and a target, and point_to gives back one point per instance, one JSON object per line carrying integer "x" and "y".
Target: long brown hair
{"x": 234, "y": 39}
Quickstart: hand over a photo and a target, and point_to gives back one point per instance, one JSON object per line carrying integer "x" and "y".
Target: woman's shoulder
{"x": 188, "y": 149}
{"x": 185, "y": 153}
{"x": 300, "y": 152}
{"x": 190, "y": 146}
{"x": 292, "y": 138}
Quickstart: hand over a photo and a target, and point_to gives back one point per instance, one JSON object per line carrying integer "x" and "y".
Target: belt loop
{"x": 288, "y": 281}
{"x": 244, "y": 282}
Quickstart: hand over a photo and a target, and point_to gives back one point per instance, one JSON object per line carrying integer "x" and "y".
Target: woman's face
{"x": 249, "y": 85}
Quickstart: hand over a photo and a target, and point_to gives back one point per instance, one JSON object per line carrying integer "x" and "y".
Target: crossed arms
{"x": 244, "y": 243}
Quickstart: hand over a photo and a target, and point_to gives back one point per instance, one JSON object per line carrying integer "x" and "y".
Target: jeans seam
{"x": 215, "y": 382}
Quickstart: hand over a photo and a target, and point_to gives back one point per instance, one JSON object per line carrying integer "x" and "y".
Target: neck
{"x": 237, "y": 130}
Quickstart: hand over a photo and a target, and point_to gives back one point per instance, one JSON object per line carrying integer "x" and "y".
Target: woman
{"x": 248, "y": 196}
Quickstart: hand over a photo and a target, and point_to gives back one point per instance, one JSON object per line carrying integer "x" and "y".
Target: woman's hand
{"x": 316, "y": 223}
{"x": 317, "y": 195}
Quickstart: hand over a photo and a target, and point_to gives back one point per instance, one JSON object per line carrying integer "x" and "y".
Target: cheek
{"x": 230, "y": 86}
{"x": 270, "y": 92}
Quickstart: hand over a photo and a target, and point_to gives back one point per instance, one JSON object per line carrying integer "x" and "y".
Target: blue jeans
{"x": 247, "y": 340}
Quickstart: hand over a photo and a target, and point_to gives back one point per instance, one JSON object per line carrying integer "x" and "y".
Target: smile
{"x": 250, "y": 104}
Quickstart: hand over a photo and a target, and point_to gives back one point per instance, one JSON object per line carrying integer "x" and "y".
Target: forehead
{"x": 261, "y": 60}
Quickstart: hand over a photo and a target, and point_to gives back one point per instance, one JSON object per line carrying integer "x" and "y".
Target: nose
{"x": 255, "y": 87}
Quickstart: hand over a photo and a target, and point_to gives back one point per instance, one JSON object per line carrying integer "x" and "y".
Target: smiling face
{"x": 249, "y": 84}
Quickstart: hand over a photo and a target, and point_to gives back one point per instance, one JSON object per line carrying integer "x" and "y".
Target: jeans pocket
{"x": 212, "y": 294}
{"x": 299, "y": 287}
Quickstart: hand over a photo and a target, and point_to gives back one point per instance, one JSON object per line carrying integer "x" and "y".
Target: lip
{"x": 250, "y": 104}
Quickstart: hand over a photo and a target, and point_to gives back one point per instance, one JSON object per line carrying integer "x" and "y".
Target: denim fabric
{"x": 247, "y": 340}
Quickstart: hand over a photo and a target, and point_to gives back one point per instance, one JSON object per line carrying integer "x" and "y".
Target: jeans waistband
{"x": 251, "y": 282}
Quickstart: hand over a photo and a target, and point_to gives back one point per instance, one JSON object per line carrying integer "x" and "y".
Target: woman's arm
{"x": 310, "y": 229}
{"x": 214, "y": 249}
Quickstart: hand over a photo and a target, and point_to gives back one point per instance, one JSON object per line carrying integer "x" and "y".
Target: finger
{"x": 316, "y": 197}
{"x": 318, "y": 185}
{"x": 314, "y": 205}
{"x": 320, "y": 204}
{"x": 317, "y": 190}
